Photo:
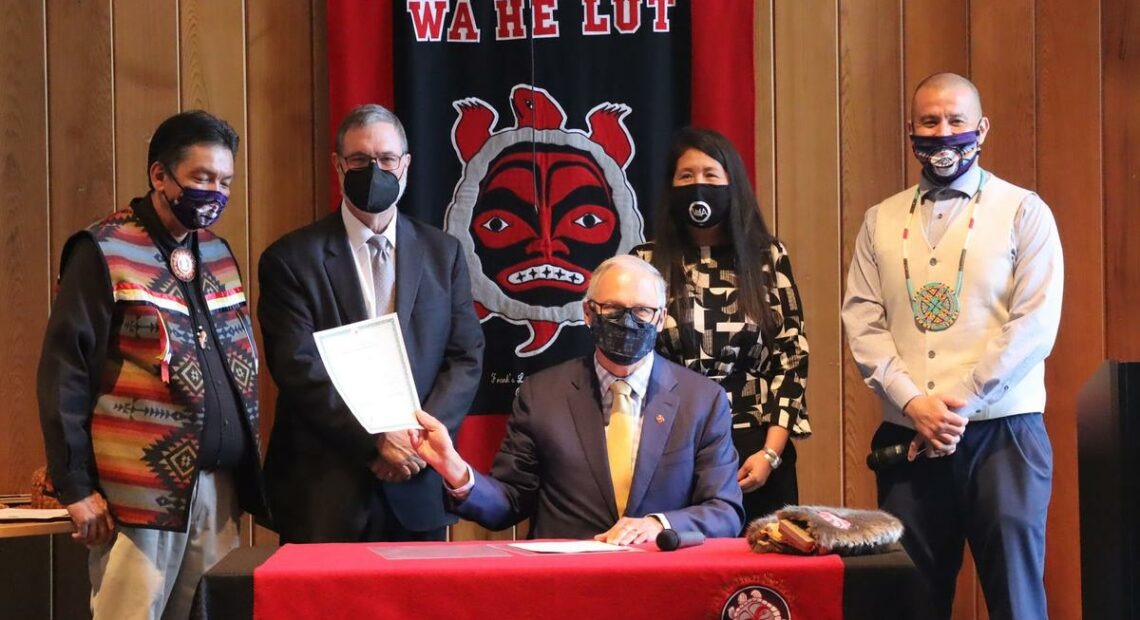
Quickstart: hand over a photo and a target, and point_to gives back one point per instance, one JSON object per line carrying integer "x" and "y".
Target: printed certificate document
{"x": 369, "y": 368}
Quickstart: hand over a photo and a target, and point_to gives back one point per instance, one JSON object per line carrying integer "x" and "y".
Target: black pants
{"x": 781, "y": 488}
{"x": 993, "y": 492}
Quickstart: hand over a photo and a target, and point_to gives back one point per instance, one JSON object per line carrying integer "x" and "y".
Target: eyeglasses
{"x": 387, "y": 161}
{"x": 645, "y": 314}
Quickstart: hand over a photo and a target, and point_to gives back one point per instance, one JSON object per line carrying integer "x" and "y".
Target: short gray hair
{"x": 367, "y": 114}
{"x": 627, "y": 261}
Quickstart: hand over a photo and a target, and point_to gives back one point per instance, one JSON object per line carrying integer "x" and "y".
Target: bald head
{"x": 948, "y": 82}
{"x": 944, "y": 104}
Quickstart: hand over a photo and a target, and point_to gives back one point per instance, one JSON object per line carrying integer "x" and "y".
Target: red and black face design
{"x": 544, "y": 219}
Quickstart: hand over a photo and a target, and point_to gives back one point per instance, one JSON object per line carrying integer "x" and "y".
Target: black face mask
{"x": 622, "y": 338}
{"x": 700, "y": 205}
{"x": 371, "y": 189}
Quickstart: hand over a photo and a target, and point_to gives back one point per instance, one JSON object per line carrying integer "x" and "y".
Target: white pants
{"x": 145, "y": 574}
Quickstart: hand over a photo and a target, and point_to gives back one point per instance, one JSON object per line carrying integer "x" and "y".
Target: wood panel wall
{"x": 86, "y": 81}
{"x": 1121, "y": 134}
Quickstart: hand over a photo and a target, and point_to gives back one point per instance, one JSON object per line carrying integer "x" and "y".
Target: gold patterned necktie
{"x": 619, "y": 442}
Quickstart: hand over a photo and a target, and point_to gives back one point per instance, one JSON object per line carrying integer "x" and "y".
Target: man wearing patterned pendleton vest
{"x": 148, "y": 382}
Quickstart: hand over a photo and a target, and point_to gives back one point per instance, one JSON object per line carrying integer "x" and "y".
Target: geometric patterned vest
{"x": 148, "y": 415}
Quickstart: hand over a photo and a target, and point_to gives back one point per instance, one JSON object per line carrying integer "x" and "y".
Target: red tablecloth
{"x": 721, "y": 578}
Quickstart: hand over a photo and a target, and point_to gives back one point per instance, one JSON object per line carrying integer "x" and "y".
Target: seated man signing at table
{"x": 615, "y": 446}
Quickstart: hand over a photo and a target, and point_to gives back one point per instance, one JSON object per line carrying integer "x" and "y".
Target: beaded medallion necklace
{"x": 935, "y": 305}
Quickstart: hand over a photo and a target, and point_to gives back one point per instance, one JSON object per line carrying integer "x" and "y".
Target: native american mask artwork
{"x": 539, "y": 206}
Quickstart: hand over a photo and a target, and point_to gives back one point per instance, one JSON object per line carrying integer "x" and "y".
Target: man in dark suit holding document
{"x": 615, "y": 446}
{"x": 329, "y": 480}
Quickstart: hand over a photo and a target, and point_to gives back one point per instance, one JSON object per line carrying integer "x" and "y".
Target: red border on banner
{"x": 723, "y": 75}
{"x": 359, "y": 62}
{"x": 479, "y": 439}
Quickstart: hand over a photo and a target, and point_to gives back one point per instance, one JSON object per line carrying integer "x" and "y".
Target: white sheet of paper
{"x": 369, "y": 368}
{"x": 571, "y": 546}
{"x": 32, "y": 514}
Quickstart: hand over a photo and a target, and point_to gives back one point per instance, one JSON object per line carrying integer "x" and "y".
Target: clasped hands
{"x": 938, "y": 428}
{"x": 396, "y": 460}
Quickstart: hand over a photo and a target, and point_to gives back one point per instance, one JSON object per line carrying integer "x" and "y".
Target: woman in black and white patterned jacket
{"x": 734, "y": 311}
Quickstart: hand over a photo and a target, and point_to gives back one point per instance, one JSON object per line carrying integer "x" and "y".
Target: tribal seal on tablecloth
{"x": 755, "y": 603}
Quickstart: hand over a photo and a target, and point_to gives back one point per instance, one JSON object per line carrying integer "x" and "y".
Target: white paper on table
{"x": 369, "y": 368}
{"x": 570, "y": 546}
{"x": 32, "y": 514}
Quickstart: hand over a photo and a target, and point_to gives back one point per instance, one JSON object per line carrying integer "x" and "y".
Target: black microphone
{"x": 887, "y": 457}
{"x": 671, "y": 540}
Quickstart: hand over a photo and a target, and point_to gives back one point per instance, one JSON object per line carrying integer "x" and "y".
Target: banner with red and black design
{"x": 538, "y": 131}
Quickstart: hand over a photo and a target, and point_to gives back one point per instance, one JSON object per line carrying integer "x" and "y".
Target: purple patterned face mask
{"x": 197, "y": 208}
{"x": 945, "y": 158}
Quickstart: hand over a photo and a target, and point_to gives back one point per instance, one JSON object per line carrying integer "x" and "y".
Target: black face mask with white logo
{"x": 622, "y": 338}
{"x": 699, "y": 204}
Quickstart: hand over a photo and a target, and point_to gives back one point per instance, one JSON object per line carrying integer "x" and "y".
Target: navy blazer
{"x": 317, "y": 464}
{"x": 553, "y": 465}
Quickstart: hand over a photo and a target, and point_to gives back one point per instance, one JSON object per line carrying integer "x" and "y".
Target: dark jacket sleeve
{"x": 458, "y": 379}
{"x": 287, "y": 324}
{"x": 74, "y": 351}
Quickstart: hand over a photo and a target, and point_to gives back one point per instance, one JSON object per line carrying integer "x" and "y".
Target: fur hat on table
{"x": 810, "y": 530}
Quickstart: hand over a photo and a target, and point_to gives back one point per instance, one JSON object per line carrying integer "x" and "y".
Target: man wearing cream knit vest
{"x": 952, "y": 305}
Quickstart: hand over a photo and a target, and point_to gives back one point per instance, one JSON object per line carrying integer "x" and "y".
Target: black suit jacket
{"x": 316, "y": 466}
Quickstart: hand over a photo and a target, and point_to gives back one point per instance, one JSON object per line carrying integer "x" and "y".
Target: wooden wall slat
{"x": 1002, "y": 65}
{"x": 1069, "y": 179}
{"x": 1121, "y": 130}
{"x": 807, "y": 199}
{"x": 24, "y": 248}
{"x": 764, "y": 69}
{"x": 146, "y": 85}
{"x": 322, "y": 144}
{"x": 281, "y": 153}
{"x": 283, "y": 163}
{"x": 81, "y": 141}
{"x": 936, "y": 38}
{"x": 213, "y": 78}
{"x": 872, "y": 168}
